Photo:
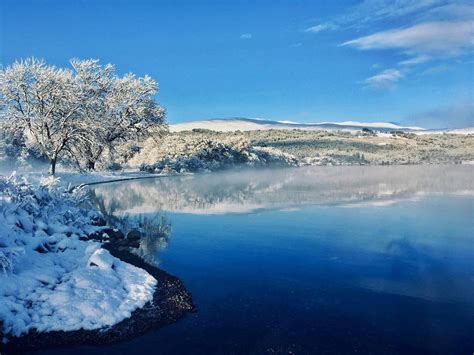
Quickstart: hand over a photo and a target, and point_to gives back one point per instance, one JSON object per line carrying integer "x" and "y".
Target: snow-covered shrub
{"x": 26, "y": 213}
{"x": 14, "y": 151}
{"x": 275, "y": 157}
{"x": 8, "y": 256}
{"x": 53, "y": 277}
{"x": 113, "y": 166}
{"x": 205, "y": 151}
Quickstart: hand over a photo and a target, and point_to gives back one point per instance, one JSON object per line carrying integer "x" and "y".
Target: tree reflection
{"x": 155, "y": 232}
{"x": 151, "y": 230}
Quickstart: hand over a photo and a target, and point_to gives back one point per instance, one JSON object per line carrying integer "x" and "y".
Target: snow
{"x": 467, "y": 130}
{"x": 460, "y": 131}
{"x": 69, "y": 178}
{"x": 51, "y": 279}
{"x": 219, "y": 125}
{"x": 288, "y": 122}
{"x": 253, "y": 124}
{"x": 102, "y": 259}
{"x": 372, "y": 125}
{"x": 244, "y": 124}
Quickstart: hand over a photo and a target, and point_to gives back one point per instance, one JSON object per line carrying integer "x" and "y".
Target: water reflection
{"x": 252, "y": 190}
{"x": 416, "y": 269}
{"x": 151, "y": 230}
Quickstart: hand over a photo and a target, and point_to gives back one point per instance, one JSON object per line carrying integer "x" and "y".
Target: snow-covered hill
{"x": 252, "y": 124}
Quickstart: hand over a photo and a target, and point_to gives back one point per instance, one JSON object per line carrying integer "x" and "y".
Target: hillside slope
{"x": 253, "y": 124}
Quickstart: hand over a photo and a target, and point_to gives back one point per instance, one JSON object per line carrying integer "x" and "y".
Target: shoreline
{"x": 171, "y": 302}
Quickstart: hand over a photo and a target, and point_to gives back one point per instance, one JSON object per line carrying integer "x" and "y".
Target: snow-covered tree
{"x": 95, "y": 82}
{"x": 43, "y": 101}
{"x": 125, "y": 111}
{"x": 81, "y": 112}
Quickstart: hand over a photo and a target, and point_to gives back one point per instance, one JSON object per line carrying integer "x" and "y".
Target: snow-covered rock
{"x": 102, "y": 259}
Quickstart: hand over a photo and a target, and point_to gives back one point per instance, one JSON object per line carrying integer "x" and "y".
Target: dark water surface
{"x": 312, "y": 260}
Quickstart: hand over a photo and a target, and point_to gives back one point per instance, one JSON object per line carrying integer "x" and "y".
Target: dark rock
{"x": 98, "y": 221}
{"x": 134, "y": 235}
{"x": 41, "y": 249}
{"x": 113, "y": 234}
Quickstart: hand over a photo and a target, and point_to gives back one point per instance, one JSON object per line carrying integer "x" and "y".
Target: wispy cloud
{"x": 246, "y": 36}
{"x": 438, "y": 38}
{"x": 436, "y": 70}
{"x": 321, "y": 27}
{"x": 371, "y": 11}
{"x": 296, "y": 45}
{"x": 448, "y": 11}
{"x": 433, "y": 30}
{"x": 415, "y": 60}
{"x": 384, "y": 80}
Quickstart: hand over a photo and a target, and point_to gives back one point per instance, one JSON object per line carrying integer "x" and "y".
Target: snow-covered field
{"x": 460, "y": 131}
{"x": 51, "y": 278}
{"x": 253, "y": 124}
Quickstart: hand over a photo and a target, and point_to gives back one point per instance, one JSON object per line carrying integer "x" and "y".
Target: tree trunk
{"x": 52, "y": 168}
{"x": 91, "y": 165}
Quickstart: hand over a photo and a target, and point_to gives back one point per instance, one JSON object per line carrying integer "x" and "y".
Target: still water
{"x": 310, "y": 260}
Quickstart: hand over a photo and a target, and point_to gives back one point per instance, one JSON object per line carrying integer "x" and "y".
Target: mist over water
{"x": 246, "y": 191}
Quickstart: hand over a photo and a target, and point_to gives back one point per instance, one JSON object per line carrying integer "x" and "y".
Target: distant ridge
{"x": 252, "y": 124}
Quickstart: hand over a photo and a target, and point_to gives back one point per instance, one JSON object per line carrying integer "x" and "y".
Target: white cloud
{"x": 441, "y": 38}
{"x": 384, "y": 80}
{"x": 246, "y": 36}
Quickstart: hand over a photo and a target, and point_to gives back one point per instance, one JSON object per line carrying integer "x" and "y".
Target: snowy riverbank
{"x": 54, "y": 276}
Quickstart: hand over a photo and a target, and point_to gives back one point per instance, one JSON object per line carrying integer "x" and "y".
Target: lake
{"x": 309, "y": 260}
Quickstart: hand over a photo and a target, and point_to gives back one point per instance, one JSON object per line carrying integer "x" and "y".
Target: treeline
{"x": 78, "y": 114}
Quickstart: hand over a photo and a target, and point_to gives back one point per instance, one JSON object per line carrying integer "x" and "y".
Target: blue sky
{"x": 402, "y": 61}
